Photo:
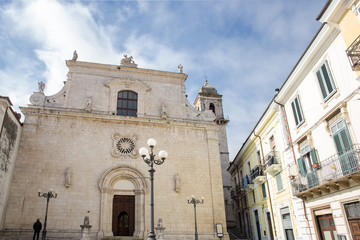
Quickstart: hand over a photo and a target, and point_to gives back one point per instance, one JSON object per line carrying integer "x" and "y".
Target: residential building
{"x": 261, "y": 189}
{"x": 318, "y": 114}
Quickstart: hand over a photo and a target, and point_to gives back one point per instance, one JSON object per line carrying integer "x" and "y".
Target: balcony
{"x": 353, "y": 53}
{"x": 247, "y": 182}
{"x": 272, "y": 163}
{"x": 233, "y": 195}
{"x": 239, "y": 188}
{"x": 332, "y": 174}
{"x": 257, "y": 174}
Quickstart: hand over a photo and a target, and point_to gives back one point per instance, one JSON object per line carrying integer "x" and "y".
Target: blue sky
{"x": 245, "y": 48}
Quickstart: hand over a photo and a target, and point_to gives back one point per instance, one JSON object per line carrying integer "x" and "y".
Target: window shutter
{"x": 302, "y": 166}
{"x": 279, "y": 182}
{"x": 294, "y": 112}
{"x": 263, "y": 190}
{"x": 313, "y": 156}
{"x": 320, "y": 79}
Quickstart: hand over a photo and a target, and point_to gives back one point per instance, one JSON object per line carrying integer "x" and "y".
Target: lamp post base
{"x": 151, "y": 236}
{"x": 43, "y": 236}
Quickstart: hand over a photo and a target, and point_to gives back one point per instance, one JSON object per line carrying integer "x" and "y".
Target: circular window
{"x": 125, "y": 145}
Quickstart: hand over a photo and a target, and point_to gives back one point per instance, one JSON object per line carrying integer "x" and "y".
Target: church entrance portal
{"x": 123, "y": 221}
{"x": 122, "y": 202}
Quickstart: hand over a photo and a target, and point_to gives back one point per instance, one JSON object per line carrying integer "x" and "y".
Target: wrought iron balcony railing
{"x": 239, "y": 187}
{"x": 258, "y": 170}
{"x": 272, "y": 163}
{"x": 258, "y": 174}
{"x": 271, "y": 158}
{"x": 353, "y": 53}
{"x": 233, "y": 194}
{"x": 329, "y": 171}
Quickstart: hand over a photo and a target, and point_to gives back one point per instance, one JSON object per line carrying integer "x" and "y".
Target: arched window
{"x": 212, "y": 107}
{"x": 127, "y": 103}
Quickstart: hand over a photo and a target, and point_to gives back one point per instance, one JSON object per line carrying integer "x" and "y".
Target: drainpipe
{"x": 283, "y": 112}
{"x": 306, "y": 217}
{"x": 268, "y": 189}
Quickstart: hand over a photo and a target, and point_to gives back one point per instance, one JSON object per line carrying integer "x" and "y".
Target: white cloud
{"x": 245, "y": 48}
{"x": 59, "y": 29}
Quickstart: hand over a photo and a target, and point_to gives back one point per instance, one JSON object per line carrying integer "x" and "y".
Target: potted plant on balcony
{"x": 316, "y": 165}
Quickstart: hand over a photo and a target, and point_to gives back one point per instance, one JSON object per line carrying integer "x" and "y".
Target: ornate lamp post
{"x": 48, "y": 195}
{"x": 195, "y": 202}
{"x": 150, "y": 160}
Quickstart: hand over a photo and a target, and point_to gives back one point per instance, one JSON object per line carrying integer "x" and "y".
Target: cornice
{"x": 72, "y": 65}
{"x": 104, "y": 116}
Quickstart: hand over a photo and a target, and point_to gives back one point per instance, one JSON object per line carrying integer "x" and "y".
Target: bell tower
{"x": 208, "y": 99}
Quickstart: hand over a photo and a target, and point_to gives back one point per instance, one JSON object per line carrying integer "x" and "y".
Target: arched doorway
{"x": 122, "y": 199}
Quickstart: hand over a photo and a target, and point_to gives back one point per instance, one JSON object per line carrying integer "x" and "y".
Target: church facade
{"x": 84, "y": 142}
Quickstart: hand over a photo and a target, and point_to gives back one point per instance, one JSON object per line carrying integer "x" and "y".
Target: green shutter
{"x": 263, "y": 190}
{"x": 313, "y": 156}
{"x": 302, "y": 166}
{"x": 279, "y": 182}
{"x": 294, "y": 112}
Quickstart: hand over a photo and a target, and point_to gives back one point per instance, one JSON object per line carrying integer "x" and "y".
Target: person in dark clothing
{"x": 37, "y": 227}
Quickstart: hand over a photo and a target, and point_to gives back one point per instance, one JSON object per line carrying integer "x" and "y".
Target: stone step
{"x": 121, "y": 238}
{"x": 28, "y": 234}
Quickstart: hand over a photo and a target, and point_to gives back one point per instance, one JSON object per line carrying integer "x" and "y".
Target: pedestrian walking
{"x": 37, "y": 227}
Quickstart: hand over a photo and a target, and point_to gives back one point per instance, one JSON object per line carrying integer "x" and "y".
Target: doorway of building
{"x": 123, "y": 220}
{"x": 353, "y": 216}
{"x": 257, "y": 222}
{"x": 286, "y": 220}
{"x": 268, "y": 216}
{"x": 327, "y": 227}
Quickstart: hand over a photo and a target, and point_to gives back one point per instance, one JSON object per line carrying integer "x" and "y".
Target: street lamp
{"x": 195, "y": 202}
{"x": 48, "y": 195}
{"x": 150, "y": 160}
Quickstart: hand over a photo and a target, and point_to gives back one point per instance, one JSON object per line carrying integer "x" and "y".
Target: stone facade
{"x": 10, "y": 132}
{"x": 75, "y": 142}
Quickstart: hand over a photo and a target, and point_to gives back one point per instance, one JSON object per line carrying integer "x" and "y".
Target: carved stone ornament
{"x": 128, "y": 62}
{"x": 37, "y": 99}
{"x": 124, "y": 145}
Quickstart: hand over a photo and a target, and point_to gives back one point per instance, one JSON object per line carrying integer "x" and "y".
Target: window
{"x": 253, "y": 195}
{"x": 258, "y": 157}
{"x": 297, "y": 111}
{"x": 272, "y": 143}
{"x": 326, "y": 81}
{"x": 212, "y": 107}
{"x": 279, "y": 182}
{"x": 263, "y": 190}
{"x": 127, "y": 103}
{"x": 308, "y": 160}
{"x": 308, "y": 164}
{"x": 344, "y": 147}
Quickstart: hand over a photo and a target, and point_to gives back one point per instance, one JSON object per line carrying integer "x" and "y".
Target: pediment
{"x": 127, "y": 83}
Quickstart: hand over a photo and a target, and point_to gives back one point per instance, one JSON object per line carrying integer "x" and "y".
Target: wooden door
{"x": 327, "y": 227}
{"x": 123, "y": 221}
{"x": 353, "y": 214}
{"x": 355, "y": 228}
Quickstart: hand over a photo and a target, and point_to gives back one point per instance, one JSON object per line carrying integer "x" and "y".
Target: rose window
{"x": 125, "y": 145}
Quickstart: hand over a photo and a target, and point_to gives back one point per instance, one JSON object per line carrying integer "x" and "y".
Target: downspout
{"x": 268, "y": 189}
{"x": 283, "y": 112}
{"x": 293, "y": 152}
{"x": 306, "y": 217}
